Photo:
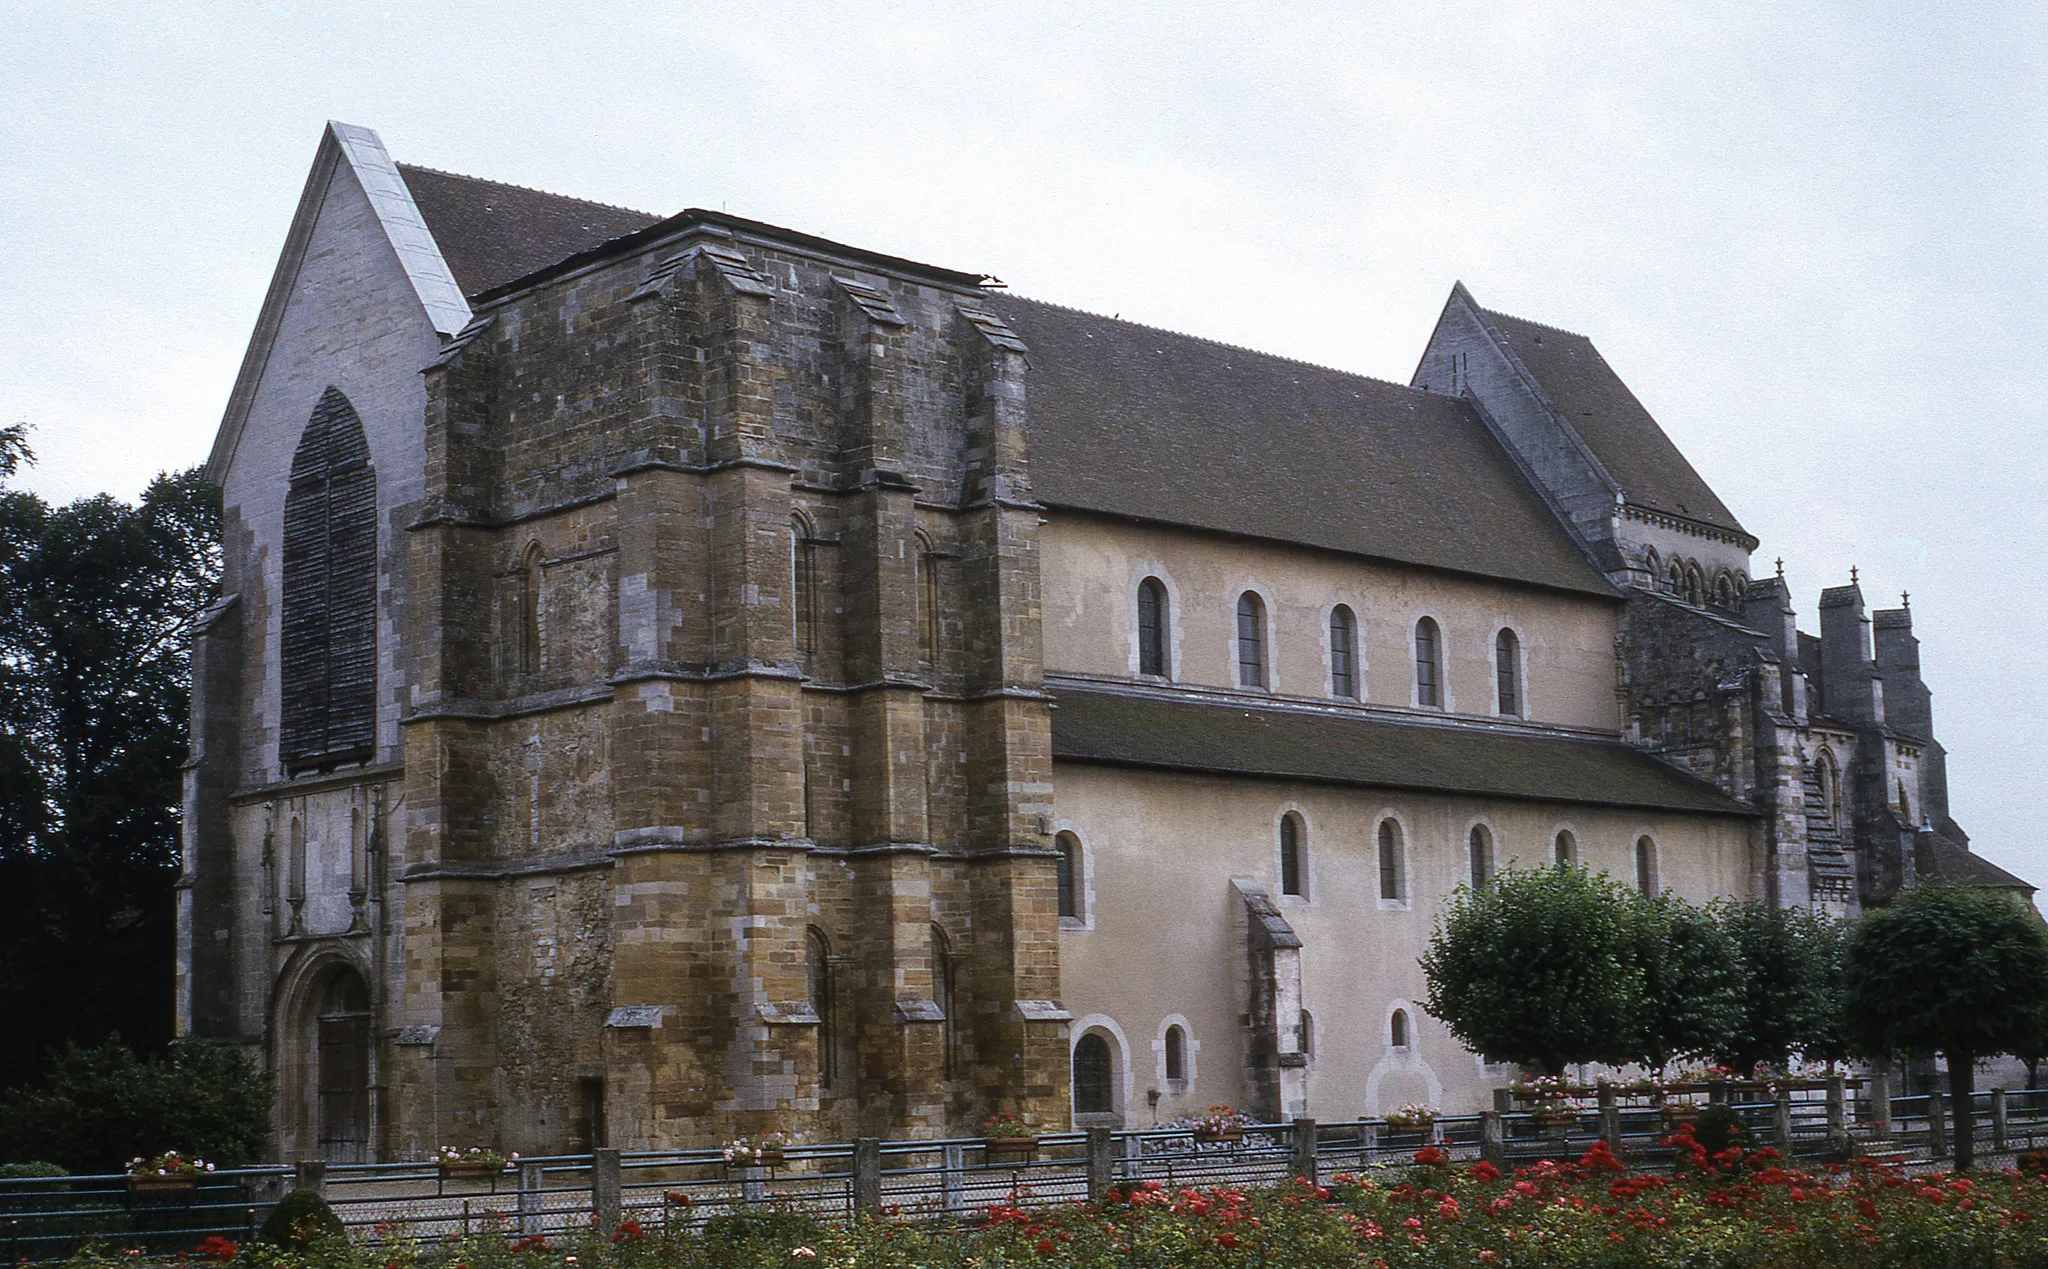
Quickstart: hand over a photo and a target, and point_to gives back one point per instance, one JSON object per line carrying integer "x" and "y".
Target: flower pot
{"x": 468, "y": 1171}
{"x": 1209, "y": 1136}
{"x": 760, "y": 1157}
{"x": 1019, "y": 1147}
{"x": 1409, "y": 1127}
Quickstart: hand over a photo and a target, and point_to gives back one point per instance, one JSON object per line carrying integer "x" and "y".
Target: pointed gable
{"x": 1636, "y": 452}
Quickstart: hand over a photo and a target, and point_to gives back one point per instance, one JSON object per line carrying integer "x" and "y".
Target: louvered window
{"x": 330, "y": 594}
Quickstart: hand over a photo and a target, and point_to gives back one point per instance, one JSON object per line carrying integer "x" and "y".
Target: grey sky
{"x": 1810, "y": 237}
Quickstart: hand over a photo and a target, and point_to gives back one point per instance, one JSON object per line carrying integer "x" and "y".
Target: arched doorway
{"x": 341, "y": 1066}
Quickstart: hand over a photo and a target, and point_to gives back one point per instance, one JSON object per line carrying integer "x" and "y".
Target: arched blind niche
{"x": 329, "y": 653}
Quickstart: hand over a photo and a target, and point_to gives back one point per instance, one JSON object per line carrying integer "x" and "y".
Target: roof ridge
{"x": 1530, "y": 321}
{"x": 530, "y": 189}
{"x": 1220, "y": 343}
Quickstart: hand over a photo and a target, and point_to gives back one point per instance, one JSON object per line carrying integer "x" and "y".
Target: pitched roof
{"x": 1150, "y": 731}
{"x": 1937, "y": 857}
{"x": 1133, "y": 421}
{"x": 1653, "y": 474}
{"x": 491, "y": 233}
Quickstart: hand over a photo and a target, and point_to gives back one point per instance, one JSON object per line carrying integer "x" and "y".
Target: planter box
{"x": 1410, "y": 1127}
{"x": 163, "y": 1184}
{"x": 1024, "y": 1147}
{"x": 1209, "y": 1136}
{"x": 470, "y": 1171}
{"x": 763, "y": 1157}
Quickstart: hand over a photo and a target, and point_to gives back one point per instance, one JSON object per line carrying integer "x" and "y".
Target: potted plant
{"x": 1222, "y": 1123}
{"x": 1006, "y": 1133}
{"x": 168, "y": 1172}
{"x": 1412, "y": 1118}
{"x": 765, "y": 1153}
{"x": 475, "y": 1162}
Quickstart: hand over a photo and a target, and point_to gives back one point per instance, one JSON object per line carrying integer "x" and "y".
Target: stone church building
{"x": 683, "y": 677}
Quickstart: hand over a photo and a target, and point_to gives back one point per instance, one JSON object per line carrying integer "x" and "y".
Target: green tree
{"x": 1540, "y": 966}
{"x": 1791, "y": 982}
{"x": 97, "y": 603}
{"x": 1950, "y": 970}
{"x": 1692, "y": 981}
{"x": 96, "y": 1108}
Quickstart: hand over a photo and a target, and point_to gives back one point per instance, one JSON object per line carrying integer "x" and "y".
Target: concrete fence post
{"x": 952, "y": 1170}
{"x": 529, "y": 1198}
{"x": 2001, "y": 1127}
{"x": 1493, "y": 1143}
{"x": 606, "y": 1194}
{"x": 310, "y": 1174}
{"x": 1101, "y": 1163}
{"x": 867, "y": 1175}
{"x": 1781, "y": 1121}
{"x": 1937, "y": 1125}
{"x": 1880, "y": 1101}
{"x": 1610, "y": 1118}
{"x": 1838, "y": 1113}
{"x": 1305, "y": 1150}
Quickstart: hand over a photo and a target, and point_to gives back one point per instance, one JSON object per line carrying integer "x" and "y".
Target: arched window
{"x": 1830, "y": 787}
{"x": 945, "y": 995}
{"x": 1176, "y": 1054}
{"x": 1695, "y": 586}
{"x": 1653, "y": 565}
{"x": 1308, "y": 1034}
{"x": 1343, "y": 653}
{"x": 1566, "y": 848}
{"x": 1646, "y": 865}
{"x": 1393, "y": 884}
{"x": 1292, "y": 874}
{"x": 1153, "y": 617}
{"x": 1069, "y": 875}
{"x": 1724, "y": 591}
{"x": 1905, "y": 805}
{"x": 818, "y": 969}
{"x": 529, "y": 610}
{"x": 1397, "y": 1029}
{"x": 1429, "y": 665}
{"x": 1507, "y": 672}
{"x": 1092, "y": 1073}
{"x": 1479, "y": 847}
{"x": 1251, "y": 640}
{"x": 803, "y": 608}
{"x": 329, "y": 594}
{"x": 1676, "y": 578}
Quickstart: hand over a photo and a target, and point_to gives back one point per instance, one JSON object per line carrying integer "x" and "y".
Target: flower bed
{"x": 1731, "y": 1211}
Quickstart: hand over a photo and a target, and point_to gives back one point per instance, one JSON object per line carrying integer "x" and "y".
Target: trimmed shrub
{"x": 300, "y": 1219}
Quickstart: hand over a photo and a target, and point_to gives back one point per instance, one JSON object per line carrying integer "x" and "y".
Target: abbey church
{"x": 682, "y": 678}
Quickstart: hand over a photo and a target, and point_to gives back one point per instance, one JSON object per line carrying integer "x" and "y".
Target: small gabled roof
{"x": 1133, "y": 730}
{"x": 1147, "y": 424}
{"x": 1627, "y": 441}
{"x": 491, "y": 233}
{"x": 1940, "y": 859}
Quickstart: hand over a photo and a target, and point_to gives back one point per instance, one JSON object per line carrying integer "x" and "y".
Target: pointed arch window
{"x": 818, "y": 967}
{"x": 945, "y": 994}
{"x": 1343, "y": 653}
{"x": 1251, "y": 640}
{"x": 1153, "y": 614}
{"x": 929, "y": 627}
{"x": 1092, "y": 1068}
{"x": 803, "y": 614}
{"x": 1429, "y": 664}
{"x": 529, "y": 610}
{"x": 329, "y": 594}
{"x": 1507, "y": 662}
{"x": 1830, "y": 788}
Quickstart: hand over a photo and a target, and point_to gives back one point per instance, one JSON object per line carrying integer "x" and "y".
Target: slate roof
{"x": 1606, "y": 415}
{"x": 491, "y": 233}
{"x": 1139, "y": 731}
{"x": 1132, "y": 421}
{"x": 1938, "y": 857}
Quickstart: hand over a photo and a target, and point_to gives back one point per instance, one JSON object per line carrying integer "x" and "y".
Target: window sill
{"x": 1395, "y": 905}
{"x": 1075, "y": 923}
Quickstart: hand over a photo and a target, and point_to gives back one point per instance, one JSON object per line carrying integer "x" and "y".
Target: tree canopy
{"x": 1789, "y": 963}
{"x": 97, "y": 604}
{"x": 1950, "y": 970}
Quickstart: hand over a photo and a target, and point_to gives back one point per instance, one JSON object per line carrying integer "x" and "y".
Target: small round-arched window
{"x": 1293, "y": 877}
{"x": 1646, "y": 865}
{"x": 1176, "y": 1054}
{"x": 1397, "y": 1029}
{"x": 1480, "y": 844}
{"x": 1566, "y": 848}
{"x": 1069, "y": 875}
{"x": 1393, "y": 881}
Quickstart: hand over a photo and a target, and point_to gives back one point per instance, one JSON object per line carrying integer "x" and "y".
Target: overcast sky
{"x": 1809, "y": 237}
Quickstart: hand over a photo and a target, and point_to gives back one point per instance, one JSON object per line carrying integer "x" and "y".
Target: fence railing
{"x": 45, "y": 1219}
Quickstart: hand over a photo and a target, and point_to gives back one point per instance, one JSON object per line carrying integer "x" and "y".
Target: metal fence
{"x": 45, "y": 1219}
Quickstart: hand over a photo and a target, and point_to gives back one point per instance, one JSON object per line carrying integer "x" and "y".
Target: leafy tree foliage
{"x": 96, "y": 1108}
{"x": 1789, "y": 961}
{"x": 1692, "y": 981}
{"x": 1539, "y": 966}
{"x": 97, "y": 603}
{"x": 1962, "y": 972}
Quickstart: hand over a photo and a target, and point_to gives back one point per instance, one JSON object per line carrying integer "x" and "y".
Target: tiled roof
{"x": 1937, "y": 857}
{"x": 1652, "y": 472}
{"x": 1131, "y": 730}
{"x": 1132, "y": 421}
{"x": 491, "y": 233}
